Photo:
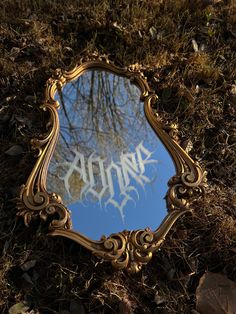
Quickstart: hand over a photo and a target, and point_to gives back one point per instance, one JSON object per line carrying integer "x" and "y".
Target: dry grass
{"x": 196, "y": 90}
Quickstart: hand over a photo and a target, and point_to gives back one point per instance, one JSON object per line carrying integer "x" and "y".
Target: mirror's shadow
{"x": 109, "y": 167}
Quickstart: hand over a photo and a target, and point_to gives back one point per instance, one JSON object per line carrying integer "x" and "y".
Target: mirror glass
{"x": 109, "y": 167}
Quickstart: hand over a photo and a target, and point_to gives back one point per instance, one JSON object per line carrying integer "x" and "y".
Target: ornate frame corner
{"x": 128, "y": 250}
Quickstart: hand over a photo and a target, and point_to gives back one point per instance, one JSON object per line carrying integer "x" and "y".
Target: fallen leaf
{"x": 27, "y": 278}
{"x": 216, "y": 294}
{"x": 15, "y": 150}
{"x": 202, "y": 47}
{"x": 31, "y": 98}
{"x": 152, "y": 31}
{"x": 27, "y": 265}
{"x": 119, "y": 27}
{"x": 140, "y": 34}
{"x": 6, "y": 246}
{"x": 159, "y": 299}
{"x": 35, "y": 276}
{"x": 187, "y": 145}
{"x": 19, "y": 308}
{"x": 195, "y": 45}
{"x": 233, "y": 89}
{"x": 68, "y": 48}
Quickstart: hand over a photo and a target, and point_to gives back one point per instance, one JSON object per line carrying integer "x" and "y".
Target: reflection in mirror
{"x": 109, "y": 167}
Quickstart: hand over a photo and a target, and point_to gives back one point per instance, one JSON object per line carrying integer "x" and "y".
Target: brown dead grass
{"x": 195, "y": 90}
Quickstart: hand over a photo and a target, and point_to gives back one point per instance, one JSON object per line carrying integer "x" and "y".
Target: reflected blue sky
{"x": 109, "y": 166}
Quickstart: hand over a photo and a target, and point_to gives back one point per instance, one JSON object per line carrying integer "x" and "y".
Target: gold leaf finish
{"x": 128, "y": 250}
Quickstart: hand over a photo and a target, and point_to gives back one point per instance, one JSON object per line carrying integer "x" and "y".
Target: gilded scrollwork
{"x": 35, "y": 201}
{"x": 128, "y": 249}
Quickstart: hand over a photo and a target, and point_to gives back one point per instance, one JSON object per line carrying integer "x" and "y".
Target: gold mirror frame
{"x": 127, "y": 249}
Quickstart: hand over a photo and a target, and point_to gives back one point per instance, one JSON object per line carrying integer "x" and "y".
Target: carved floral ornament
{"x": 128, "y": 249}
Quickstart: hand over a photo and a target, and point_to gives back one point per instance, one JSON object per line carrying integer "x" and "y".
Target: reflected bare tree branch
{"x": 100, "y": 113}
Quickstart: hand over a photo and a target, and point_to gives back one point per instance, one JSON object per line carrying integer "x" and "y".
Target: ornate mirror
{"x": 109, "y": 174}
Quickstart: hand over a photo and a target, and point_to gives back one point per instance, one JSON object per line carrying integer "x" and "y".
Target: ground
{"x": 187, "y": 51}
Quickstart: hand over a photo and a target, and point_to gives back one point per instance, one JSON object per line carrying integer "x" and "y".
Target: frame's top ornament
{"x": 127, "y": 249}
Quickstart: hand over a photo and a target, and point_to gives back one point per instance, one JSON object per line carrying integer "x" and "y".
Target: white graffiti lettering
{"x": 109, "y": 182}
